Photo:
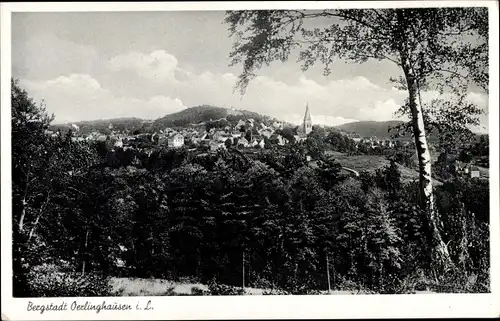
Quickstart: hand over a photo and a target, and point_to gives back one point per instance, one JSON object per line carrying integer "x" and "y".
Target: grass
{"x": 161, "y": 287}
{"x": 152, "y": 287}
{"x": 371, "y": 163}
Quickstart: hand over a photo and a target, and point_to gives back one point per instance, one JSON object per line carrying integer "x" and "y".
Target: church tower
{"x": 307, "y": 125}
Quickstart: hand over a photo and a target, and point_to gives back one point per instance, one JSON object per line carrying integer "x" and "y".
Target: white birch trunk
{"x": 440, "y": 256}
{"x": 328, "y": 274}
{"x": 243, "y": 270}
{"x": 85, "y": 252}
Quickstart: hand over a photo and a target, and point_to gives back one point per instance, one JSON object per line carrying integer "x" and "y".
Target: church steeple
{"x": 307, "y": 126}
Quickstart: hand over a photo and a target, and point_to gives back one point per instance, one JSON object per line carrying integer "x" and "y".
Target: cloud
{"x": 151, "y": 85}
{"x": 348, "y": 99}
{"x": 160, "y": 73}
{"x": 80, "y": 97}
{"x": 380, "y": 110}
{"x": 47, "y": 56}
{"x": 157, "y": 65}
{"x": 325, "y": 120}
{"x": 331, "y": 103}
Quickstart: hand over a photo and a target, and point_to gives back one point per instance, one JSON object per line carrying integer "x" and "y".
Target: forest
{"x": 83, "y": 213}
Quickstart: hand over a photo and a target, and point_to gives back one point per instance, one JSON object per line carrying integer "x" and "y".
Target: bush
{"x": 220, "y": 289}
{"x": 197, "y": 291}
{"x": 275, "y": 292}
{"x": 47, "y": 281}
{"x": 259, "y": 282}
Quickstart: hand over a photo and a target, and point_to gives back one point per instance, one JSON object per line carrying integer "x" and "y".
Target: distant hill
{"x": 189, "y": 117}
{"x": 199, "y": 115}
{"x": 381, "y": 130}
{"x": 102, "y": 125}
{"x": 370, "y": 128}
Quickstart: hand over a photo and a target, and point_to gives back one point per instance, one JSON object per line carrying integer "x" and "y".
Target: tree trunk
{"x": 243, "y": 270}
{"x": 328, "y": 273}
{"x": 24, "y": 202}
{"x": 85, "y": 252}
{"x": 19, "y": 247}
{"x": 42, "y": 208}
{"x": 464, "y": 256}
{"x": 381, "y": 276}
{"x": 20, "y": 226}
{"x": 19, "y": 282}
{"x": 440, "y": 258}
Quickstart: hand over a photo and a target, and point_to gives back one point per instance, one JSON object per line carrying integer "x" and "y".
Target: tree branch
{"x": 455, "y": 73}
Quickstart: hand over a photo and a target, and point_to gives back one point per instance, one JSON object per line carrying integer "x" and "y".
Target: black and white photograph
{"x": 326, "y": 151}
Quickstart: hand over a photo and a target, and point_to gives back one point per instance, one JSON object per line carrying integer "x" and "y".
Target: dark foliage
{"x": 225, "y": 219}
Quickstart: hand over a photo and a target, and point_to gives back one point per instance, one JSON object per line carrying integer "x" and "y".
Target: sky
{"x": 91, "y": 65}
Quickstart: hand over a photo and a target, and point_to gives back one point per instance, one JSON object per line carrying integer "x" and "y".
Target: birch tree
{"x": 444, "y": 49}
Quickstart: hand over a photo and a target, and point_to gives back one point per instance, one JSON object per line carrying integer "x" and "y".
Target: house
{"x": 259, "y": 142}
{"x": 277, "y": 139}
{"x": 461, "y": 168}
{"x": 282, "y": 141}
{"x": 277, "y": 125}
{"x": 77, "y": 139}
{"x": 474, "y": 172}
{"x": 162, "y": 140}
{"x": 220, "y": 136}
{"x": 175, "y": 141}
{"x": 240, "y": 124}
{"x": 300, "y": 138}
{"x": 196, "y": 139}
{"x": 243, "y": 142}
{"x": 266, "y": 132}
{"x": 216, "y": 145}
{"x": 168, "y": 131}
{"x": 467, "y": 169}
{"x": 389, "y": 143}
{"x": 119, "y": 143}
{"x": 356, "y": 138}
{"x": 236, "y": 134}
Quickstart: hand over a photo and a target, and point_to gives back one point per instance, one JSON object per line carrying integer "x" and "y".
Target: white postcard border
{"x": 253, "y": 307}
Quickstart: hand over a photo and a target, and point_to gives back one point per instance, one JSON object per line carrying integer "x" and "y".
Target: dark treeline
{"x": 270, "y": 221}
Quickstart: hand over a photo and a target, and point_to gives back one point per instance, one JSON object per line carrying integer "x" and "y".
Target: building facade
{"x": 175, "y": 141}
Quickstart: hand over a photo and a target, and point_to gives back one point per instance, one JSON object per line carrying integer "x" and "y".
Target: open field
{"x": 152, "y": 287}
{"x": 371, "y": 163}
{"x": 161, "y": 287}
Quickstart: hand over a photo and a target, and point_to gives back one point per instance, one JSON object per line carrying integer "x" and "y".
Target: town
{"x": 245, "y": 134}
{"x": 249, "y": 136}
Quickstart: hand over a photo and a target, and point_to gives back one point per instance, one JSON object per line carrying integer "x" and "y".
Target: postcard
{"x": 249, "y": 160}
